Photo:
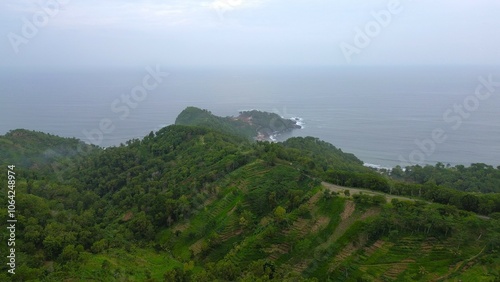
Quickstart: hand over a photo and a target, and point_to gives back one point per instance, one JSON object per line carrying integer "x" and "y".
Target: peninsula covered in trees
{"x": 203, "y": 200}
{"x": 253, "y": 124}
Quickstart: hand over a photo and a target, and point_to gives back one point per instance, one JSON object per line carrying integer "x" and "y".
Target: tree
{"x": 379, "y": 200}
{"x": 52, "y": 245}
{"x": 69, "y": 253}
{"x": 303, "y": 245}
{"x": 327, "y": 194}
{"x": 33, "y": 231}
{"x": 470, "y": 202}
{"x": 99, "y": 246}
{"x": 142, "y": 227}
{"x": 422, "y": 271}
{"x": 272, "y": 199}
{"x": 280, "y": 213}
{"x": 246, "y": 219}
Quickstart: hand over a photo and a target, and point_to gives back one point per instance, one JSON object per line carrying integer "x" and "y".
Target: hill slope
{"x": 38, "y": 151}
{"x": 191, "y": 203}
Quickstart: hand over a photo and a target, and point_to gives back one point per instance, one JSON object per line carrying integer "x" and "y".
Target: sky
{"x": 111, "y": 33}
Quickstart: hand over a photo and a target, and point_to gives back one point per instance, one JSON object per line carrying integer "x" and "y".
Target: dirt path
{"x": 348, "y": 210}
{"x": 340, "y": 190}
{"x": 352, "y": 191}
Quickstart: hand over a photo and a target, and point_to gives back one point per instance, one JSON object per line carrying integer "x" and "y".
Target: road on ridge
{"x": 352, "y": 191}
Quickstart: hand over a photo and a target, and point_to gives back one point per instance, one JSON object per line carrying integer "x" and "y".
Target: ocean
{"x": 386, "y": 116}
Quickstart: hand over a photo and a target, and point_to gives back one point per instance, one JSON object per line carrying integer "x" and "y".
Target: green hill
{"x": 204, "y": 203}
{"x": 38, "y": 151}
{"x": 249, "y": 124}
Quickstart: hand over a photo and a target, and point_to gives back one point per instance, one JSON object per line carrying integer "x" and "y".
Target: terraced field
{"x": 328, "y": 242}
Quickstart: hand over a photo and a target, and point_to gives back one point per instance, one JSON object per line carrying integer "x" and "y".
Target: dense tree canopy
{"x": 197, "y": 203}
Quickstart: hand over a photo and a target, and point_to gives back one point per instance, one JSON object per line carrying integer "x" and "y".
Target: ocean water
{"x": 386, "y": 116}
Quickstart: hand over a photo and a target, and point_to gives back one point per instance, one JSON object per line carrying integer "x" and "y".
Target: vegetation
{"x": 476, "y": 178}
{"x": 41, "y": 152}
{"x": 268, "y": 123}
{"x": 447, "y": 185}
{"x": 249, "y": 124}
{"x": 204, "y": 203}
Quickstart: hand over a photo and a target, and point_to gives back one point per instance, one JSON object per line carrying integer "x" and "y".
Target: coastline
{"x": 273, "y": 137}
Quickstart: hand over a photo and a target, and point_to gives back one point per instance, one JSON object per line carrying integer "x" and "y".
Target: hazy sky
{"x": 91, "y": 33}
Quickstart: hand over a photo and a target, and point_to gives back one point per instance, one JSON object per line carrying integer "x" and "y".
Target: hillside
{"x": 195, "y": 203}
{"x": 38, "y": 151}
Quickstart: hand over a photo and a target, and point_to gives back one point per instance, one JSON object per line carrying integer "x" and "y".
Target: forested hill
{"x": 40, "y": 151}
{"x": 249, "y": 124}
{"x": 198, "y": 203}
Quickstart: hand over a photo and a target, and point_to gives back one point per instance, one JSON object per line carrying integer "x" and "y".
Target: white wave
{"x": 375, "y": 166}
{"x": 299, "y": 121}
